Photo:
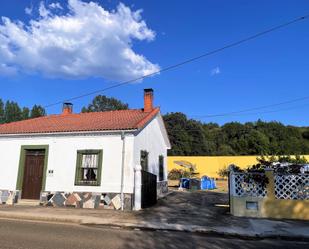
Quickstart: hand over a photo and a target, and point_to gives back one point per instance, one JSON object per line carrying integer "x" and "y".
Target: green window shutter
{"x": 100, "y": 162}
{"x": 78, "y": 168}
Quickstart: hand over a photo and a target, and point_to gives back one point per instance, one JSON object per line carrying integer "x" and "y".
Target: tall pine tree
{"x": 37, "y": 111}
{"x": 25, "y": 113}
{"x": 1, "y": 112}
{"x": 12, "y": 112}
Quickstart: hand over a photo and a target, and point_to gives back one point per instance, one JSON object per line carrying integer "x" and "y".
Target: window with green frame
{"x": 88, "y": 167}
{"x": 144, "y": 160}
{"x": 161, "y": 168}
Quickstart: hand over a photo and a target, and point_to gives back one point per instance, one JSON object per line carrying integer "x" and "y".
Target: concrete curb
{"x": 23, "y": 216}
{"x": 197, "y": 229}
{"x": 149, "y": 226}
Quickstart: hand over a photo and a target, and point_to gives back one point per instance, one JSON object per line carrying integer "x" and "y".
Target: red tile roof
{"x": 93, "y": 121}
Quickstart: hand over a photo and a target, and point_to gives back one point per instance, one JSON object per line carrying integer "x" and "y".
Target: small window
{"x": 144, "y": 160}
{"x": 161, "y": 168}
{"x": 88, "y": 167}
{"x": 252, "y": 205}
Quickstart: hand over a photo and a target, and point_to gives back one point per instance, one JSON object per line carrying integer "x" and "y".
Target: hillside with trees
{"x": 190, "y": 137}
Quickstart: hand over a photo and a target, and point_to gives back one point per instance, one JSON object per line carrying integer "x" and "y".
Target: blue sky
{"x": 271, "y": 69}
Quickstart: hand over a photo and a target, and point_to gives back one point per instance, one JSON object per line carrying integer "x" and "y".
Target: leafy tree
{"x": 25, "y": 113}
{"x": 225, "y": 149}
{"x": 12, "y": 112}
{"x": 2, "y": 119}
{"x": 37, "y": 111}
{"x": 176, "y": 174}
{"x": 103, "y": 103}
{"x": 197, "y": 137}
{"x": 305, "y": 134}
{"x": 223, "y": 172}
{"x": 182, "y": 133}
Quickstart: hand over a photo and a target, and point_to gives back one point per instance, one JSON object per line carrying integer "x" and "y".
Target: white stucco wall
{"x": 152, "y": 140}
{"x": 62, "y": 160}
{"x": 62, "y": 157}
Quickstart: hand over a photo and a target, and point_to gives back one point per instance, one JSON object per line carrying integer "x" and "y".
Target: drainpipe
{"x": 122, "y": 169}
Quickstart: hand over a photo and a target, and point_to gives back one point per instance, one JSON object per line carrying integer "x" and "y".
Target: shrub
{"x": 223, "y": 172}
{"x": 176, "y": 174}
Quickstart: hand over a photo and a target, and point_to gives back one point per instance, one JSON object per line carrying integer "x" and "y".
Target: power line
{"x": 271, "y": 111}
{"x": 233, "y": 113}
{"x": 234, "y": 44}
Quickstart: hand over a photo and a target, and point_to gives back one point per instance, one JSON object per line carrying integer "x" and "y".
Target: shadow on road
{"x": 196, "y": 208}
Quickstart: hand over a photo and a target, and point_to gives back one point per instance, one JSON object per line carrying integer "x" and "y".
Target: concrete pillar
{"x": 231, "y": 183}
{"x": 271, "y": 184}
{"x": 137, "y": 188}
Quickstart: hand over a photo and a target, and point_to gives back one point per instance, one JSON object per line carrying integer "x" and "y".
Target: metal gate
{"x": 149, "y": 189}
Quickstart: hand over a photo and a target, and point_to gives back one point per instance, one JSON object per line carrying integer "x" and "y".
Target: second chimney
{"x": 67, "y": 108}
{"x": 148, "y": 100}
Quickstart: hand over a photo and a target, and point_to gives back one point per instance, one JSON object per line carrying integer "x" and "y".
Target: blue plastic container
{"x": 207, "y": 183}
{"x": 212, "y": 184}
{"x": 184, "y": 182}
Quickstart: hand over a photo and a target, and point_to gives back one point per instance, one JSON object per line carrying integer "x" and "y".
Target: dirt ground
{"x": 222, "y": 186}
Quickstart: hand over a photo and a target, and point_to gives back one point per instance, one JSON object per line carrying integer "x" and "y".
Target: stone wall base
{"x": 86, "y": 200}
{"x": 9, "y": 197}
{"x": 162, "y": 189}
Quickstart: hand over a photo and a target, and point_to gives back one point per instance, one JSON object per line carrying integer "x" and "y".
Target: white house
{"x": 86, "y": 160}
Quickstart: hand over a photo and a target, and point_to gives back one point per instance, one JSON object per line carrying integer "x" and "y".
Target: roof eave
{"x": 146, "y": 120}
{"x": 70, "y": 133}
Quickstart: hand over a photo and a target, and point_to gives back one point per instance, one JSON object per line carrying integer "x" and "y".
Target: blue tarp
{"x": 207, "y": 183}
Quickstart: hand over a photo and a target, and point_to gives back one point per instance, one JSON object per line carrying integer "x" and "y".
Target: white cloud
{"x": 88, "y": 41}
{"x": 55, "y": 6}
{"x": 43, "y": 11}
{"x": 215, "y": 71}
{"x": 28, "y": 10}
{"x": 7, "y": 70}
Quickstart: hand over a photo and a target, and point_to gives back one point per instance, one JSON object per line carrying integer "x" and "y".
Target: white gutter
{"x": 123, "y": 138}
{"x": 77, "y": 133}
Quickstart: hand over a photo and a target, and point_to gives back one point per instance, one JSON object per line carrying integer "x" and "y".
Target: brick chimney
{"x": 67, "y": 108}
{"x": 148, "y": 100}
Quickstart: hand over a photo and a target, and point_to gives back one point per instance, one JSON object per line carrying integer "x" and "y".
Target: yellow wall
{"x": 210, "y": 165}
{"x": 271, "y": 208}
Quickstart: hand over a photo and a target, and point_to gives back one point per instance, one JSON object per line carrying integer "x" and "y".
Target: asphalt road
{"x": 33, "y": 235}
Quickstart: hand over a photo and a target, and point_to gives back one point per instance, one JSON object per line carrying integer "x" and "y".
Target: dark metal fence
{"x": 149, "y": 189}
